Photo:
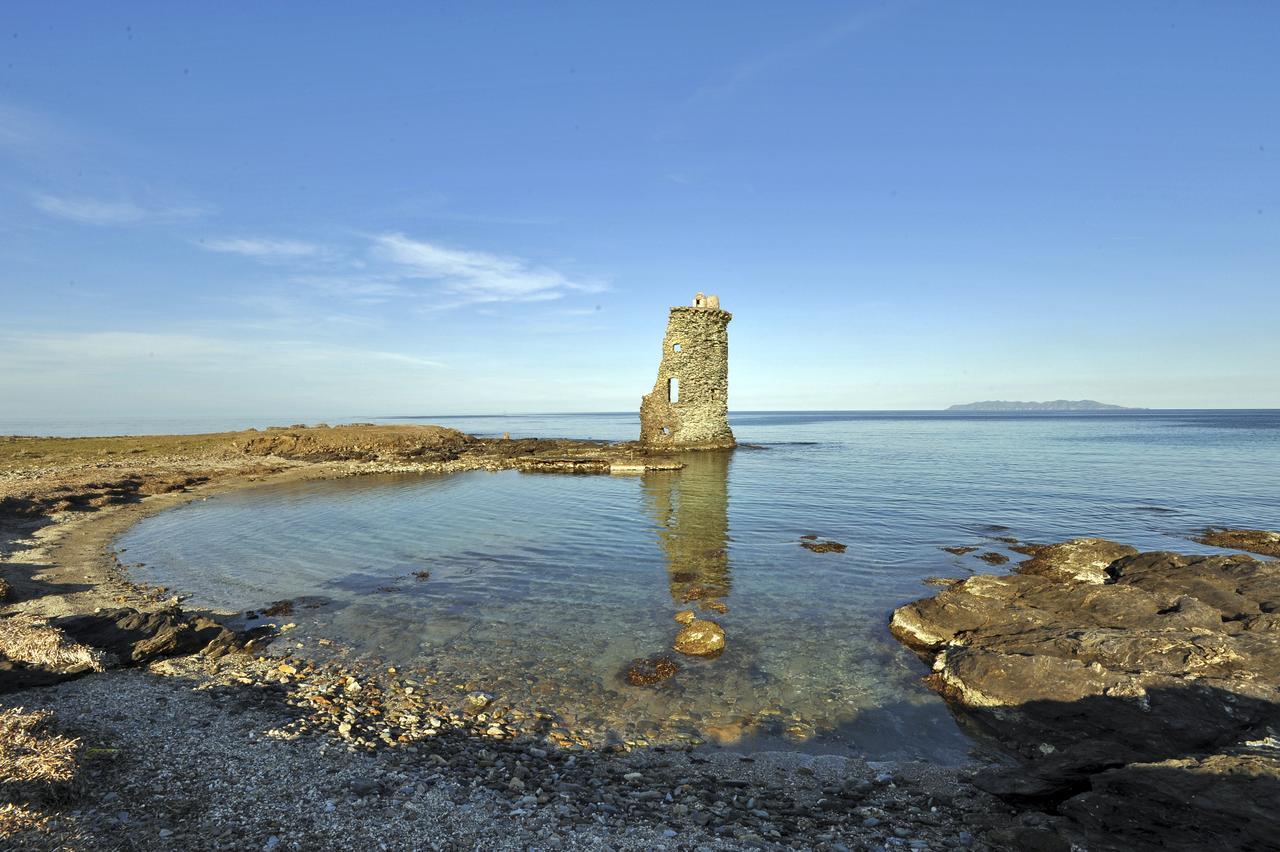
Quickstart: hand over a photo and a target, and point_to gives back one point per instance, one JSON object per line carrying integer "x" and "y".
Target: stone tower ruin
{"x": 688, "y": 407}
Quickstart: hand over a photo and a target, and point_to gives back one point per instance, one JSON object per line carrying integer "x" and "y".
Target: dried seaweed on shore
{"x": 30, "y": 752}
{"x": 35, "y": 642}
{"x": 33, "y": 760}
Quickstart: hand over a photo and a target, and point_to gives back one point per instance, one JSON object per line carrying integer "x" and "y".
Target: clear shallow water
{"x": 542, "y": 587}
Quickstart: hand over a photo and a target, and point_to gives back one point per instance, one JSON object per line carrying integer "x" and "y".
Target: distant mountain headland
{"x": 1055, "y": 405}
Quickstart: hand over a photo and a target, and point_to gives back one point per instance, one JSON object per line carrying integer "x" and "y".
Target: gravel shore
{"x": 171, "y": 761}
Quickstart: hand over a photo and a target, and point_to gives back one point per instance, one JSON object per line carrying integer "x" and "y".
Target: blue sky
{"x": 290, "y": 209}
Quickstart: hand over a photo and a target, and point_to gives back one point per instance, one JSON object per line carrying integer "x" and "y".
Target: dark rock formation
{"x": 130, "y": 637}
{"x": 1141, "y": 695}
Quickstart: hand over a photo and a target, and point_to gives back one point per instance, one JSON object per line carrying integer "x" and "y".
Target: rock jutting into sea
{"x": 1139, "y": 691}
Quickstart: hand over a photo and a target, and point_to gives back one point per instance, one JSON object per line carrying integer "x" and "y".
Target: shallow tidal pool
{"x": 541, "y": 589}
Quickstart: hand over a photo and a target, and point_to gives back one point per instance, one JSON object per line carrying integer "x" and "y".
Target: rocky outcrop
{"x": 358, "y": 443}
{"x": 130, "y": 637}
{"x": 35, "y": 652}
{"x": 1138, "y": 694}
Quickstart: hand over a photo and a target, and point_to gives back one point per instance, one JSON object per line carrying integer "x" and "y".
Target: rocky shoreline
{"x": 1139, "y": 692}
{"x": 193, "y": 736}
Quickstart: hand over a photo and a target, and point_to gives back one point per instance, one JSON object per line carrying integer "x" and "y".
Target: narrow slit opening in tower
{"x": 675, "y": 347}
{"x": 673, "y": 390}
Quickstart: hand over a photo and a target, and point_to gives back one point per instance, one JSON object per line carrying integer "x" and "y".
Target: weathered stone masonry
{"x": 688, "y": 407}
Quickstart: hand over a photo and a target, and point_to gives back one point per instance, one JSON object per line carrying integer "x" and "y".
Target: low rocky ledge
{"x": 39, "y": 652}
{"x": 1138, "y": 692}
{"x": 1264, "y": 542}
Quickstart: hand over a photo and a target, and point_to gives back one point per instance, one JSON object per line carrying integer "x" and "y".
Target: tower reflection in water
{"x": 691, "y": 509}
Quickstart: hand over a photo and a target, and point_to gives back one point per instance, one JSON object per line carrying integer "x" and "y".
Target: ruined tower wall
{"x": 695, "y": 352}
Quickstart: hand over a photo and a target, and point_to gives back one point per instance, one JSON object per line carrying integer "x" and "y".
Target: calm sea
{"x": 540, "y": 588}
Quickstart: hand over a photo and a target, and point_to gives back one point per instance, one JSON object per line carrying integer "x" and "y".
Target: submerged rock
{"x": 1137, "y": 688}
{"x": 700, "y": 638}
{"x": 685, "y": 616}
{"x": 646, "y": 671}
{"x": 823, "y": 546}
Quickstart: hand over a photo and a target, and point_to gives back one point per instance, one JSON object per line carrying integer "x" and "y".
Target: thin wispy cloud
{"x": 99, "y": 350}
{"x": 263, "y": 248}
{"x": 470, "y": 277}
{"x": 394, "y": 267}
{"x": 97, "y": 211}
